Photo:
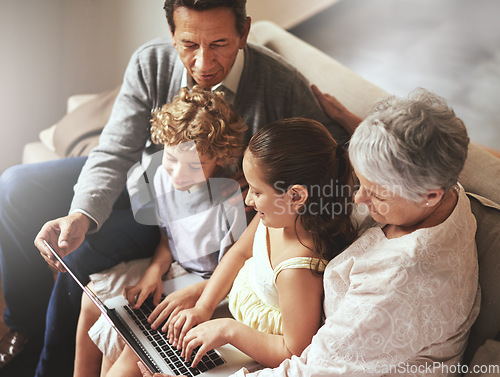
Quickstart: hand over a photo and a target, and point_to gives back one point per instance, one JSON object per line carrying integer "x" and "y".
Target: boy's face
{"x": 186, "y": 167}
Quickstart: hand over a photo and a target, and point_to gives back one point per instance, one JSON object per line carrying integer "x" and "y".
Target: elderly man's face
{"x": 208, "y": 42}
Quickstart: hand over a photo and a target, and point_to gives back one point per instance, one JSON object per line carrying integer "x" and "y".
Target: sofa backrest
{"x": 480, "y": 177}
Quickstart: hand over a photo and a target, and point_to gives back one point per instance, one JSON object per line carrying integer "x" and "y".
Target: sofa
{"x": 78, "y": 131}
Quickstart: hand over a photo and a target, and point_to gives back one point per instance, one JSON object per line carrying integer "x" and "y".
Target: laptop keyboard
{"x": 170, "y": 354}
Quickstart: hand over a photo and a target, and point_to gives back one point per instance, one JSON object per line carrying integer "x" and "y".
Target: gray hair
{"x": 410, "y": 146}
{"x": 237, "y": 6}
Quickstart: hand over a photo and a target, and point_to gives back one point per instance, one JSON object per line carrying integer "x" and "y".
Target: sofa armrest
{"x": 36, "y": 151}
{"x": 76, "y": 133}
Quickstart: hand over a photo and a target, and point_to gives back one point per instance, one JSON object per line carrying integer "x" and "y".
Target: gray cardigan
{"x": 269, "y": 89}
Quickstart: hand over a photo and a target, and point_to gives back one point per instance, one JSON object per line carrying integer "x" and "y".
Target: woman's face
{"x": 387, "y": 207}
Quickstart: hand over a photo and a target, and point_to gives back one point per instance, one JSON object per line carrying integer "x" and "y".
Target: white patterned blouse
{"x": 399, "y": 306}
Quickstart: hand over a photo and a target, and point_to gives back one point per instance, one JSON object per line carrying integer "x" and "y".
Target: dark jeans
{"x": 30, "y": 195}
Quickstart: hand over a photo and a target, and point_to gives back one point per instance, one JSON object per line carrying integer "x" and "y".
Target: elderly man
{"x": 208, "y": 47}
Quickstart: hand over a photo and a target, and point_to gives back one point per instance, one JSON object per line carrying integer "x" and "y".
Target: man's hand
{"x": 336, "y": 111}
{"x": 64, "y": 235}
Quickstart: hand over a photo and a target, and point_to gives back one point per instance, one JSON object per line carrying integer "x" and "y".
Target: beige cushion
{"x": 481, "y": 173}
{"x": 78, "y": 131}
{"x": 47, "y": 137}
{"x": 487, "y": 325}
{"x": 481, "y": 177}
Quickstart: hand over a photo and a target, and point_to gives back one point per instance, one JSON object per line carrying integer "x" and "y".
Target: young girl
{"x": 202, "y": 139}
{"x": 300, "y": 186}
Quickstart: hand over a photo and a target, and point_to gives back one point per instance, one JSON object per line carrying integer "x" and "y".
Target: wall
{"x": 54, "y": 48}
{"x": 286, "y": 13}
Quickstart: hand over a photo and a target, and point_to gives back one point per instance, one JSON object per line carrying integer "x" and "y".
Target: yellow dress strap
{"x": 300, "y": 262}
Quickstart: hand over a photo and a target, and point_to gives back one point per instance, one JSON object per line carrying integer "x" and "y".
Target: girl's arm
{"x": 301, "y": 302}
{"x": 301, "y": 298}
{"x": 151, "y": 281}
{"x": 217, "y": 288}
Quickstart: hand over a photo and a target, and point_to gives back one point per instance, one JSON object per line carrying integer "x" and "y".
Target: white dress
{"x": 397, "y": 306}
{"x": 254, "y": 299}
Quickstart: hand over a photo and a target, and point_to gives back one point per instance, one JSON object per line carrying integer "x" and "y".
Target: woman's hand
{"x": 185, "y": 321}
{"x": 150, "y": 283}
{"x": 208, "y": 336}
{"x": 171, "y": 305}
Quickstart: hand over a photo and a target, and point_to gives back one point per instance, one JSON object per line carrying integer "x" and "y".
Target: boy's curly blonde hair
{"x": 203, "y": 117}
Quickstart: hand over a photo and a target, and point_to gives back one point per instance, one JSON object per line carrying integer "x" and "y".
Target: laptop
{"x": 151, "y": 346}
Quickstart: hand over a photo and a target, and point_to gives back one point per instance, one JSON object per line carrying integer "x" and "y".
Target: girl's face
{"x": 273, "y": 207}
{"x": 387, "y": 207}
{"x": 187, "y": 168}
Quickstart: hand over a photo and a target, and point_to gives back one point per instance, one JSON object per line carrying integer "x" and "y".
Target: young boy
{"x": 202, "y": 138}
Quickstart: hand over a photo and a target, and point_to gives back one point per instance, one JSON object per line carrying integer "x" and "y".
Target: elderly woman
{"x": 402, "y": 298}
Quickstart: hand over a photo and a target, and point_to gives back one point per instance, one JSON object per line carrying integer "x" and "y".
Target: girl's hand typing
{"x": 168, "y": 309}
{"x": 207, "y": 336}
{"x": 185, "y": 321}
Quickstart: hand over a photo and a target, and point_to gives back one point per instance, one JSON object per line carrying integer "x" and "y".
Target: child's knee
{"x": 125, "y": 365}
{"x": 88, "y": 309}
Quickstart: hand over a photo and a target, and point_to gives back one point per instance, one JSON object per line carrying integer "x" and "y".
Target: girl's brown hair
{"x": 302, "y": 151}
{"x": 203, "y": 117}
